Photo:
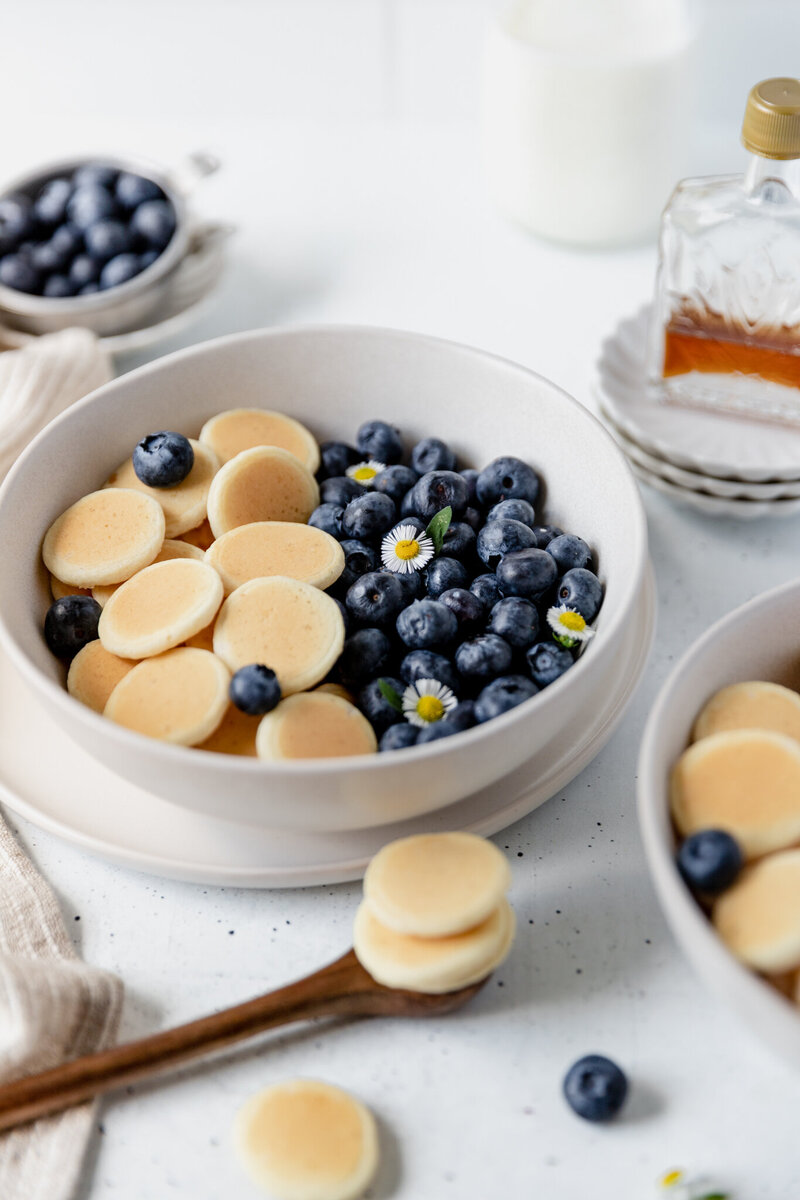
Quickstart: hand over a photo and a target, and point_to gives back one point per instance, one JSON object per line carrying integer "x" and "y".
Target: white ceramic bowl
{"x": 760, "y": 640}
{"x": 333, "y": 379}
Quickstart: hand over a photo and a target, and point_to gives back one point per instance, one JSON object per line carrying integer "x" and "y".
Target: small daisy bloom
{"x": 427, "y": 701}
{"x": 365, "y": 472}
{"x": 568, "y": 626}
{"x": 405, "y": 550}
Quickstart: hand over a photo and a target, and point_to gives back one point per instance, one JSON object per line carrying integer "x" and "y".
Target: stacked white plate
{"x": 719, "y": 464}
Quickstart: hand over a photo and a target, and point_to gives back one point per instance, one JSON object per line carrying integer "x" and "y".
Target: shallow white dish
{"x": 717, "y": 506}
{"x": 760, "y": 640}
{"x": 68, "y": 793}
{"x": 333, "y": 379}
{"x": 708, "y": 443}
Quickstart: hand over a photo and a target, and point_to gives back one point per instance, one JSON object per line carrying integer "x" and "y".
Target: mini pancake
{"x": 204, "y": 640}
{"x": 434, "y": 965}
{"x": 160, "y": 607}
{"x": 184, "y": 504}
{"x": 169, "y": 550}
{"x": 242, "y": 428}
{"x": 276, "y": 548}
{"x": 236, "y": 734}
{"x": 336, "y": 689}
{"x": 314, "y": 725}
{"x": 94, "y": 673}
{"x": 746, "y": 782}
{"x": 306, "y": 1140}
{"x": 294, "y": 628}
{"x": 202, "y": 537}
{"x": 59, "y": 589}
{"x": 758, "y": 918}
{"x": 104, "y": 537}
{"x": 262, "y": 484}
{"x": 752, "y": 705}
{"x": 436, "y": 884}
{"x": 179, "y": 697}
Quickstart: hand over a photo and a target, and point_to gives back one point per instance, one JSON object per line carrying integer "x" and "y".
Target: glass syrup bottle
{"x": 725, "y": 331}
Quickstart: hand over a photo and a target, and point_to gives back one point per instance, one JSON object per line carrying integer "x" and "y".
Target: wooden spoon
{"x": 342, "y": 989}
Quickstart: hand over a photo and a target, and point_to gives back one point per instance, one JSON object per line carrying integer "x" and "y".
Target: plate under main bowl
{"x": 333, "y": 379}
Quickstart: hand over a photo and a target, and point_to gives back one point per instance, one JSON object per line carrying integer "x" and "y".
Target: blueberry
{"x": 426, "y": 624}
{"x": 502, "y": 694}
{"x": 431, "y": 454}
{"x": 418, "y": 525}
{"x": 710, "y": 861}
{"x": 367, "y": 653}
{"x": 105, "y": 239}
{"x": 527, "y": 573}
{"x": 469, "y": 609}
{"x": 95, "y": 175}
{"x": 335, "y": 458}
{"x": 459, "y": 542}
{"x": 595, "y": 1088}
{"x": 444, "y": 574}
{"x": 58, "y": 287}
{"x": 376, "y": 598}
{"x": 70, "y": 624}
{"x": 457, "y": 720}
{"x": 483, "y": 658}
{"x": 426, "y": 664}
{"x": 154, "y": 223}
{"x": 547, "y": 661}
{"x": 119, "y": 270}
{"x": 545, "y": 534}
{"x": 89, "y": 204}
{"x": 412, "y": 583}
{"x": 328, "y": 518}
{"x": 516, "y": 620}
{"x": 582, "y": 590}
{"x": 399, "y": 737}
{"x": 513, "y": 510}
{"x": 395, "y": 481}
{"x": 438, "y": 490}
{"x": 84, "y": 270}
{"x": 16, "y": 220}
{"x": 472, "y": 518}
{"x": 17, "y": 272}
{"x": 570, "y": 552}
{"x": 381, "y": 441}
{"x": 408, "y": 505}
{"x": 471, "y": 476}
{"x": 132, "y": 190}
{"x": 339, "y": 489}
{"x": 89, "y": 289}
{"x": 255, "y": 689}
{"x": 507, "y": 478}
{"x": 358, "y": 560}
{"x": 50, "y": 205}
{"x": 148, "y": 258}
{"x": 55, "y": 255}
{"x": 345, "y": 614}
{"x": 369, "y": 515}
{"x": 487, "y": 589}
{"x": 501, "y": 537}
{"x": 376, "y": 708}
{"x": 163, "y": 459}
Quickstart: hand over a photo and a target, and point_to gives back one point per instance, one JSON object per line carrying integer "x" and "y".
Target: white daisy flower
{"x": 405, "y": 550}
{"x": 365, "y": 472}
{"x": 568, "y": 626}
{"x": 427, "y": 701}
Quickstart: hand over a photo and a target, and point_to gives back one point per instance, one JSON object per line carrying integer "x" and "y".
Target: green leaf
{"x": 390, "y": 695}
{"x": 438, "y": 527}
{"x": 713, "y": 1196}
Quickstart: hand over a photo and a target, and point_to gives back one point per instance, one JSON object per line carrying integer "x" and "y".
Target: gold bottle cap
{"x": 771, "y": 124}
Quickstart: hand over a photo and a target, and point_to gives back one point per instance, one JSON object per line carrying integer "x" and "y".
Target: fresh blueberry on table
{"x": 570, "y": 552}
{"x": 469, "y": 609}
{"x": 487, "y": 589}
{"x": 376, "y": 708}
{"x": 57, "y": 253}
{"x": 483, "y": 658}
{"x": 50, "y": 205}
{"x": 547, "y": 662}
{"x": 381, "y": 441}
{"x": 444, "y": 574}
{"x": 154, "y": 223}
{"x": 328, "y": 518}
{"x": 105, "y": 239}
{"x": 163, "y": 459}
{"x": 119, "y": 270}
{"x": 418, "y": 524}
{"x": 595, "y": 1088}
{"x": 408, "y": 505}
{"x": 399, "y": 737}
{"x": 395, "y": 481}
{"x": 70, "y": 624}
{"x": 148, "y": 258}
{"x": 132, "y": 190}
{"x": 582, "y": 590}
{"x": 58, "y": 287}
{"x": 503, "y": 536}
{"x": 438, "y": 490}
{"x": 710, "y": 861}
{"x": 472, "y": 517}
{"x": 89, "y": 204}
{"x": 515, "y": 620}
{"x": 335, "y": 458}
{"x": 529, "y": 573}
{"x": 503, "y": 694}
{"x": 376, "y": 598}
{"x": 18, "y": 272}
{"x": 95, "y": 175}
{"x": 426, "y": 625}
{"x": 460, "y": 542}
{"x": 426, "y": 664}
{"x": 432, "y": 454}
{"x": 369, "y": 515}
{"x": 411, "y": 582}
{"x": 255, "y": 689}
{"x": 507, "y": 478}
{"x": 339, "y": 489}
{"x": 359, "y": 558}
{"x": 458, "y": 719}
{"x": 545, "y": 534}
{"x": 16, "y": 220}
{"x": 89, "y": 289}
{"x": 83, "y": 270}
{"x": 367, "y": 653}
{"x": 471, "y": 477}
{"x": 513, "y": 510}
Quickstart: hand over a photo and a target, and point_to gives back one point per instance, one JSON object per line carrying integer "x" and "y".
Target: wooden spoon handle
{"x": 342, "y": 988}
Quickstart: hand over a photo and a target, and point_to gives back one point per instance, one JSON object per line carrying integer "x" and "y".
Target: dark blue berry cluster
{"x": 82, "y": 233}
{"x": 473, "y": 616}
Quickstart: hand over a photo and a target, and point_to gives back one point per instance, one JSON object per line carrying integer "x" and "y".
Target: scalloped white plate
{"x": 717, "y": 506}
{"x": 715, "y": 444}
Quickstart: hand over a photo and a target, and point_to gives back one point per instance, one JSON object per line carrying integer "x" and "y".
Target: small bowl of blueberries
{"x": 93, "y": 242}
